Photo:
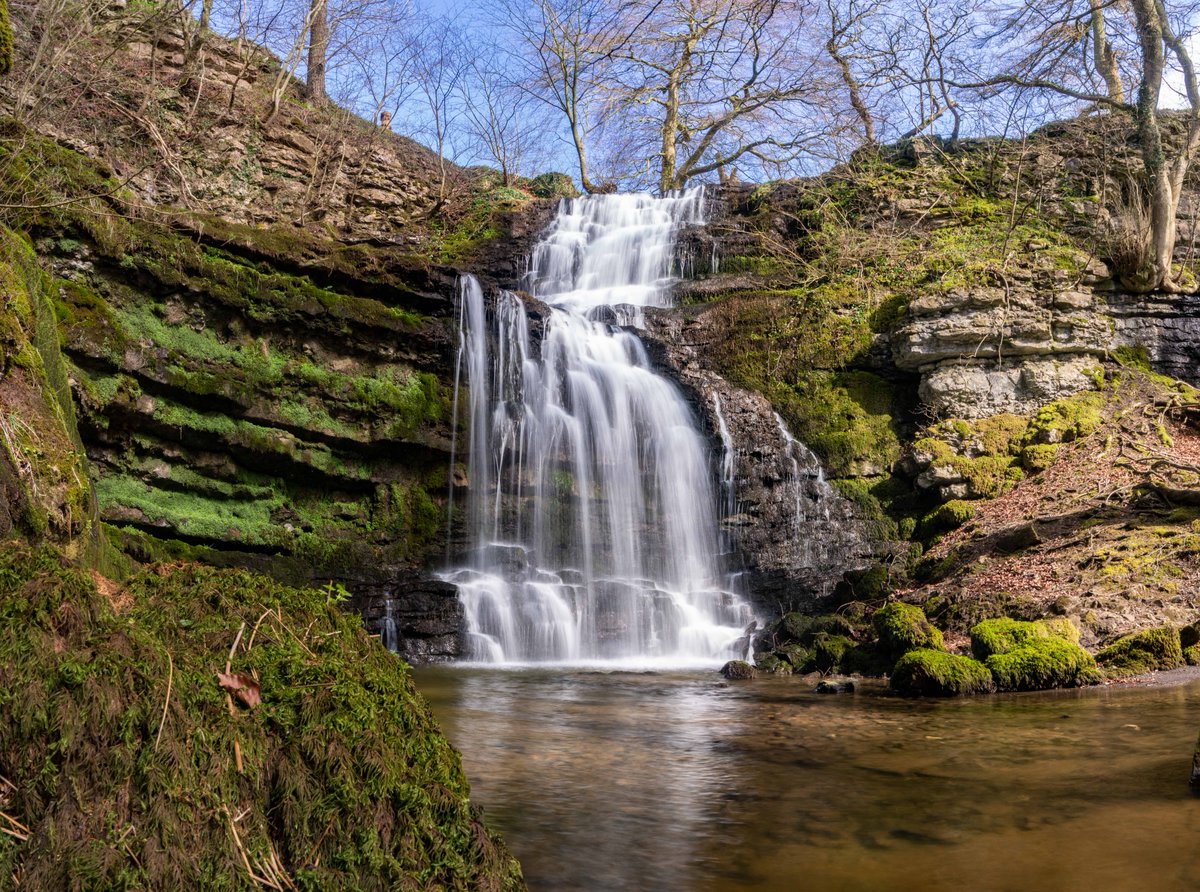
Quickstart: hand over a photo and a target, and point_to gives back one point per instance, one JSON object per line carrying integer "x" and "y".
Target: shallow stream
{"x": 682, "y": 781}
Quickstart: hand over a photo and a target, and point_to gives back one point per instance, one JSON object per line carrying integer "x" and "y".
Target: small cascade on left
{"x": 592, "y": 510}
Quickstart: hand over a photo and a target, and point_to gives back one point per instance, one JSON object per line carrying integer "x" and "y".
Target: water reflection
{"x": 666, "y": 781}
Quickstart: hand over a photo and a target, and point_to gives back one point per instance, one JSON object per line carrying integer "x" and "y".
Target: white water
{"x": 591, "y": 509}
{"x": 728, "y": 460}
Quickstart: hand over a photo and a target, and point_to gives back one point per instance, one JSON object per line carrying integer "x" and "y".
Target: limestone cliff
{"x": 939, "y": 325}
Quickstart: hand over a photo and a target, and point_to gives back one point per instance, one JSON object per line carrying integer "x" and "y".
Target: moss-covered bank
{"x": 127, "y": 764}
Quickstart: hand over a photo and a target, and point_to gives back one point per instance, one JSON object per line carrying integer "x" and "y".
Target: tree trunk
{"x": 1103, "y": 56}
{"x": 851, "y": 84}
{"x": 1164, "y": 199}
{"x": 318, "y": 46}
{"x": 588, "y": 186}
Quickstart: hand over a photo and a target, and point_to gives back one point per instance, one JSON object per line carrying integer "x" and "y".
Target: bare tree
{"x": 569, "y": 47}
{"x": 438, "y": 71}
{"x": 497, "y": 112}
{"x": 845, "y": 46}
{"x": 1039, "y": 48}
{"x": 318, "y": 48}
{"x": 723, "y": 82}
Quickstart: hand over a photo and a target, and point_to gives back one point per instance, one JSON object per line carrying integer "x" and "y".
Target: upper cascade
{"x": 604, "y": 251}
{"x": 592, "y": 512}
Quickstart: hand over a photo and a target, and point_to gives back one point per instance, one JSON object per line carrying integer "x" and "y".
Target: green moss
{"x": 1146, "y": 651}
{"x": 1040, "y": 663}
{"x": 936, "y": 673}
{"x": 829, "y": 651}
{"x": 6, "y": 40}
{"x": 1067, "y": 419}
{"x": 340, "y": 771}
{"x": 43, "y": 471}
{"x": 1191, "y": 655}
{"x": 1038, "y": 457}
{"x": 948, "y": 516}
{"x": 903, "y": 627}
{"x": 205, "y": 514}
{"x": 1137, "y": 357}
{"x": 999, "y": 636}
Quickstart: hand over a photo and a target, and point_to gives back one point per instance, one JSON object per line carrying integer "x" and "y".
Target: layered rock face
{"x": 1166, "y": 326}
{"x": 983, "y": 351}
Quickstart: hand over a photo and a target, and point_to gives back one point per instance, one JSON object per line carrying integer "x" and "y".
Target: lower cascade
{"x": 592, "y": 511}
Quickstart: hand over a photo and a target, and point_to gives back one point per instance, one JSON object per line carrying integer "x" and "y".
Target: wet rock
{"x": 794, "y": 535}
{"x": 738, "y": 670}
{"x": 835, "y": 687}
{"x": 1167, "y": 327}
{"x": 1194, "y": 780}
{"x": 425, "y": 615}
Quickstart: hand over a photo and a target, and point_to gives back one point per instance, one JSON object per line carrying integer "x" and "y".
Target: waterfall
{"x": 592, "y": 511}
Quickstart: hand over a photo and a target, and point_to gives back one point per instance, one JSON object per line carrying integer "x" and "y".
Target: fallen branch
{"x": 15, "y": 828}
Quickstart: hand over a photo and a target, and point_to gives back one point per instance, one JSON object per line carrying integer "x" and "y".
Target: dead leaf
{"x": 243, "y": 687}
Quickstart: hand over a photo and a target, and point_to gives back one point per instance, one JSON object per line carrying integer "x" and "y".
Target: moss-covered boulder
{"x": 936, "y": 673}
{"x": 830, "y": 650}
{"x": 1041, "y": 663}
{"x": 797, "y": 656}
{"x": 196, "y": 728}
{"x": 1145, "y": 651}
{"x": 944, "y": 518}
{"x": 1001, "y": 635}
{"x": 903, "y": 627}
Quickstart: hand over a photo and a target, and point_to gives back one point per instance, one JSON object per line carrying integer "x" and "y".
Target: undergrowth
{"x": 126, "y": 764}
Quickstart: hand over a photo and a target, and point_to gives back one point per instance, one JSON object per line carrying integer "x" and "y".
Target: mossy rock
{"x": 868, "y": 658}
{"x": 1067, "y": 419}
{"x": 830, "y": 650}
{"x": 325, "y": 757}
{"x": 1189, "y": 635}
{"x": 1146, "y": 651}
{"x": 1040, "y": 663}
{"x": 935, "y": 673}
{"x": 831, "y": 624}
{"x": 766, "y": 662}
{"x": 6, "y": 39}
{"x": 1038, "y": 457}
{"x": 944, "y": 518}
{"x": 795, "y": 655}
{"x": 1001, "y": 635}
{"x": 1191, "y": 655}
{"x": 793, "y": 626}
{"x": 903, "y": 627}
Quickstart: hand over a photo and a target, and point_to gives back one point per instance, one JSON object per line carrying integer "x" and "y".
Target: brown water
{"x": 684, "y": 782}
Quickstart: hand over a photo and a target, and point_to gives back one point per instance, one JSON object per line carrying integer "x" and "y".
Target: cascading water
{"x": 591, "y": 509}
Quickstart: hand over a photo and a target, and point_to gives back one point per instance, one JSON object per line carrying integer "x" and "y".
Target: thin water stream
{"x": 680, "y": 781}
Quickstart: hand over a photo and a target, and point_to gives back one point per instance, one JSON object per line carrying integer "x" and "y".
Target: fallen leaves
{"x": 241, "y": 686}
